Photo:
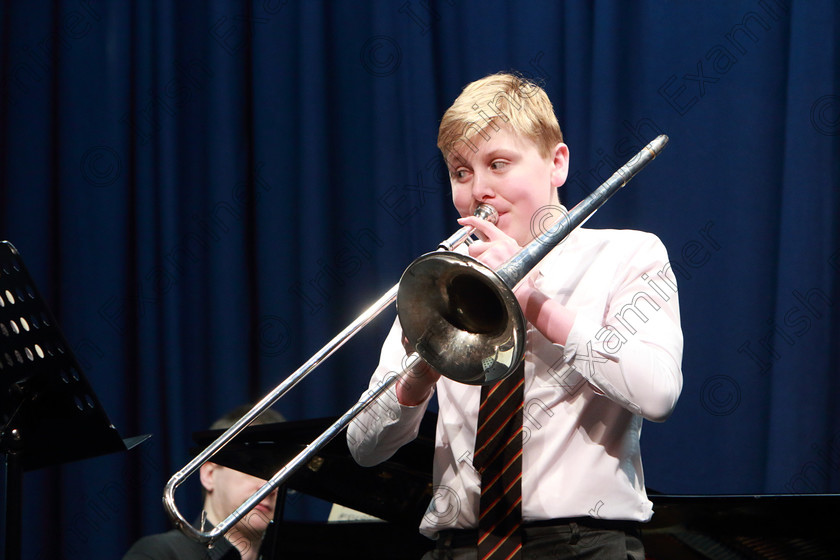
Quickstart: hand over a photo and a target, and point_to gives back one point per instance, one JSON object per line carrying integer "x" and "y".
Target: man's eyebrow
{"x": 507, "y": 152}
{"x": 454, "y": 161}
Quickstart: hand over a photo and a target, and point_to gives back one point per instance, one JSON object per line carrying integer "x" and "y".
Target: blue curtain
{"x": 207, "y": 192}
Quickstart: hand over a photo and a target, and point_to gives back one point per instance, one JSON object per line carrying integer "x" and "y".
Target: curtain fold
{"x": 207, "y": 192}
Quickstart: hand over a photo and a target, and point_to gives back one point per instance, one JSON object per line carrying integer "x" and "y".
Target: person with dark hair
{"x": 224, "y": 490}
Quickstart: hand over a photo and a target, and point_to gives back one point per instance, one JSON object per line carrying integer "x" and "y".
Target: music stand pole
{"x": 11, "y": 445}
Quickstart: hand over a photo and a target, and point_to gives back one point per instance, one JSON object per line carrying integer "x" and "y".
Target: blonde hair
{"x": 499, "y": 98}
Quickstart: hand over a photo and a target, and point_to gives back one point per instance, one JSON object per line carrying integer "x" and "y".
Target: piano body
{"x": 397, "y": 492}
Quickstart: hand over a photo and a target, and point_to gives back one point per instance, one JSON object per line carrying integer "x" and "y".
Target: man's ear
{"x": 207, "y": 473}
{"x": 560, "y": 159}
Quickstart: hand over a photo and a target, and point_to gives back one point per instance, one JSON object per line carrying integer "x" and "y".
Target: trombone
{"x": 461, "y": 316}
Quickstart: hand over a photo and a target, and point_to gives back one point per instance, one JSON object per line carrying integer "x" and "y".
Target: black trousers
{"x": 578, "y": 539}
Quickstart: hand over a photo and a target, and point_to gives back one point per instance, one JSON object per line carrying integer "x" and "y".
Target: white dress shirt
{"x": 584, "y": 402}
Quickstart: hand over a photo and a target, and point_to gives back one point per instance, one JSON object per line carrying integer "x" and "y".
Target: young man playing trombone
{"x": 547, "y": 465}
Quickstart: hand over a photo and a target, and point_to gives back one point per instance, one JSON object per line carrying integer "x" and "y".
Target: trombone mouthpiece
{"x": 486, "y": 212}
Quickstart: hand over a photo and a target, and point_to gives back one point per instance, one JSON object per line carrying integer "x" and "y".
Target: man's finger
{"x": 490, "y": 231}
{"x": 477, "y": 248}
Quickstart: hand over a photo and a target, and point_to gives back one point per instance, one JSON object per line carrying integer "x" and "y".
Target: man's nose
{"x": 482, "y": 187}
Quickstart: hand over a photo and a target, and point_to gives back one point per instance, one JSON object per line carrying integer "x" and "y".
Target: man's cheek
{"x": 461, "y": 202}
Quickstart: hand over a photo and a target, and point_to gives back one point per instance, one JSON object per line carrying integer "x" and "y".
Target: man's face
{"x": 227, "y": 489}
{"x": 509, "y": 173}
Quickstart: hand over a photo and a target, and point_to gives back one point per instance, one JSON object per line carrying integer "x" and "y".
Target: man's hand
{"x": 495, "y": 247}
{"x": 414, "y": 387}
{"x": 550, "y": 317}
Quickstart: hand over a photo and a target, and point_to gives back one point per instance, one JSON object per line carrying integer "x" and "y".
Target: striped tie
{"x": 498, "y": 458}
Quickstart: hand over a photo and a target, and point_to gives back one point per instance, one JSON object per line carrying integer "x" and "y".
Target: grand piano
{"x": 396, "y": 493}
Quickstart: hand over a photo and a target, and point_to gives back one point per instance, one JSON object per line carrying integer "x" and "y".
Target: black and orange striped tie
{"x": 498, "y": 458}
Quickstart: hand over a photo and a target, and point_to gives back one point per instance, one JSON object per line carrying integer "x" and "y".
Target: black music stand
{"x": 49, "y": 414}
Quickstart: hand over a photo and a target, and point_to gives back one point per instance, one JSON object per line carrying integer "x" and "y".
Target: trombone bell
{"x": 462, "y": 318}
